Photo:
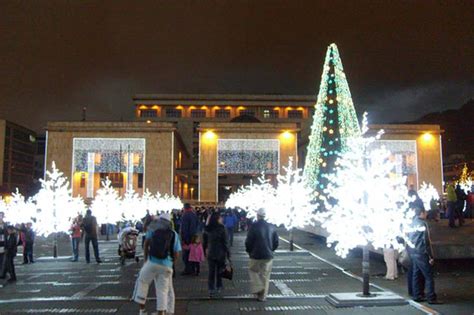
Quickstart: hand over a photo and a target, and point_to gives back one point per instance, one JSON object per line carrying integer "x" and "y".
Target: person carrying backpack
{"x": 161, "y": 249}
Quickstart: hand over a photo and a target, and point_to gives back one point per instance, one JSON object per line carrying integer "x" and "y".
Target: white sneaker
{"x": 142, "y": 312}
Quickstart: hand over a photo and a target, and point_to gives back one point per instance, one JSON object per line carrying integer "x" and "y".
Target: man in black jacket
{"x": 10, "y": 253}
{"x": 422, "y": 259}
{"x": 261, "y": 242}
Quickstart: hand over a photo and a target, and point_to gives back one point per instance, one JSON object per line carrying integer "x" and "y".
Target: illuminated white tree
{"x": 167, "y": 203}
{"x": 131, "y": 206}
{"x": 106, "y": 204}
{"x": 149, "y": 202}
{"x": 367, "y": 204}
{"x": 251, "y": 198}
{"x": 19, "y": 209}
{"x": 55, "y": 205}
{"x": 427, "y": 194}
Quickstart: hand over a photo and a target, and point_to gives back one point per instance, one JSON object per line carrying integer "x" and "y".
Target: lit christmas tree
{"x": 106, "y": 204}
{"x": 465, "y": 179}
{"x": 334, "y": 121}
{"x": 372, "y": 207}
{"x": 55, "y": 205}
{"x": 131, "y": 206}
{"x": 292, "y": 206}
{"x": 428, "y": 194}
{"x": 19, "y": 209}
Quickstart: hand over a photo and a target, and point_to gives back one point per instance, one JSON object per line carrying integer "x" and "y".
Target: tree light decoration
{"x": 465, "y": 180}
{"x": 427, "y": 194}
{"x": 367, "y": 204}
{"x": 167, "y": 203}
{"x": 19, "y": 209}
{"x": 149, "y": 202}
{"x": 106, "y": 204}
{"x": 55, "y": 203}
{"x": 130, "y": 206}
{"x": 334, "y": 121}
{"x": 371, "y": 202}
{"x": 251, "y": 198}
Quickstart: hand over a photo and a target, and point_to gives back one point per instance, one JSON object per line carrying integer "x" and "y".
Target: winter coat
{"x": 215, "y": 242}
{"x": 196, "y": 253}
{"x": 11, "y": 245}
{"x": 189, "y": 225}
{"x": 262, "y": 240}
{"x": 89, "y": 225}
{"x": 420, "y": 239}
{"x": 230, "y": 221}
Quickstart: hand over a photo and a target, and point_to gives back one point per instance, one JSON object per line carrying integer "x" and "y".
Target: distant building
{"x": 18, "y": 147}
{"x": 203, "y": 147}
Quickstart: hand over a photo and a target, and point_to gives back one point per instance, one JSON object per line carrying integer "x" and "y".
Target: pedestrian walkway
{"x": 300, "y": 282}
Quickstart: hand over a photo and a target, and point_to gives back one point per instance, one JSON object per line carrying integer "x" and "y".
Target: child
{"x": 196, "y": 254}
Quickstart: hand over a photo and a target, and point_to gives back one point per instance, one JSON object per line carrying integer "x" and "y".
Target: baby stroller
{"x": 127, "y": 244}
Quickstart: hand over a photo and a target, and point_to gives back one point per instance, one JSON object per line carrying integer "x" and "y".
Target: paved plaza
{"x": 300, "y": 282}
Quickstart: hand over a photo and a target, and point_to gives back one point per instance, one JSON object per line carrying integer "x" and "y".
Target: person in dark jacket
{"x": 89, "y": 226}
{"x": 28, "y": 243}
{"x": 261, "y": 242}
{"x": 10, "y": 254}
{"x": 189, "y": 227}
{"x": 3, "y": 238}
{"x": 216, "y": 250}
{"x": 230, "y": 222}
{"x": 459, "y": 206}
{"x": 422, "y": 259}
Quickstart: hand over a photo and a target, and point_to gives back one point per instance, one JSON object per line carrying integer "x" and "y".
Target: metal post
{"x": 55, "y": 245}
{"x": 365, "y": 271}
{"x": 291, "y": 240}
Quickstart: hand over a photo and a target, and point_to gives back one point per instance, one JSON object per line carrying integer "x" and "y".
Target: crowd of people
{"x": 206, "y": 234}
{"x": 199, "y": 235}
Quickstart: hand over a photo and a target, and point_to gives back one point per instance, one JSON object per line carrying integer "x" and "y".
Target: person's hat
{"x": 261, "y": 212}
{"x": 165, "y": 216}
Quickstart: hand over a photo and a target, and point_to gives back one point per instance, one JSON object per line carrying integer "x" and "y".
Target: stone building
{"x": 203, "y": 147}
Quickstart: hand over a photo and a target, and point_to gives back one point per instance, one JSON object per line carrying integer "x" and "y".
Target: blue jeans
{"x": 75, "y": 247}
{"x": 95, "y": 245}
{"x": 452, "y": 213}
{"x": 230, "y": 232}
{"x": 28, "y": 253}
{"x": 422, "y": 272}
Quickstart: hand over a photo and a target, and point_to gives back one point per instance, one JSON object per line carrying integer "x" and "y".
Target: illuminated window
{"x": 247, "y": 112}
{"x": 198, "y": 113}
{"x": 173, "y": 113}
{"x": 144, "y": 113}
{"x": 270, "y": 113}
{"x": 222, "y": 113}
{"x": 295, "y": 114}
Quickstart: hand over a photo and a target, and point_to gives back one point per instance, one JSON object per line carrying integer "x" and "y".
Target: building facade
{"x": 18, "y": 148}
{"x": 203, "y": 147}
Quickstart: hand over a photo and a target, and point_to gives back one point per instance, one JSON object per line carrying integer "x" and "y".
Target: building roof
{"x": 225, "y": 99}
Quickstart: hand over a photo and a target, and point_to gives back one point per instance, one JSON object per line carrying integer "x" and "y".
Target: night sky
{"x": 402, "y": 58}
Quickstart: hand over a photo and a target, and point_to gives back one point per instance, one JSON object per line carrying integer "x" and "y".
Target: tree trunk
{"x": 291, "y": 240}
{"x": 365, "y": 271}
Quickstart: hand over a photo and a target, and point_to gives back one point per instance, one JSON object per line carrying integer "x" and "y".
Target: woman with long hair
{"x": 216, "y": 249}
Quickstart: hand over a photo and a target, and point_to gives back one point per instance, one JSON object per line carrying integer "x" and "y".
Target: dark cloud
{"x": 57, "y": 56}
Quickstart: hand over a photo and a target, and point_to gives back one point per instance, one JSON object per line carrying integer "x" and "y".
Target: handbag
{"x": 228, "y": 271}
{"x": 404, "y": 259}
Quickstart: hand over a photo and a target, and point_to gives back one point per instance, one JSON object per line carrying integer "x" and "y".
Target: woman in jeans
{"x": 76, "y": 237}
{"x": 216, "y": 249}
